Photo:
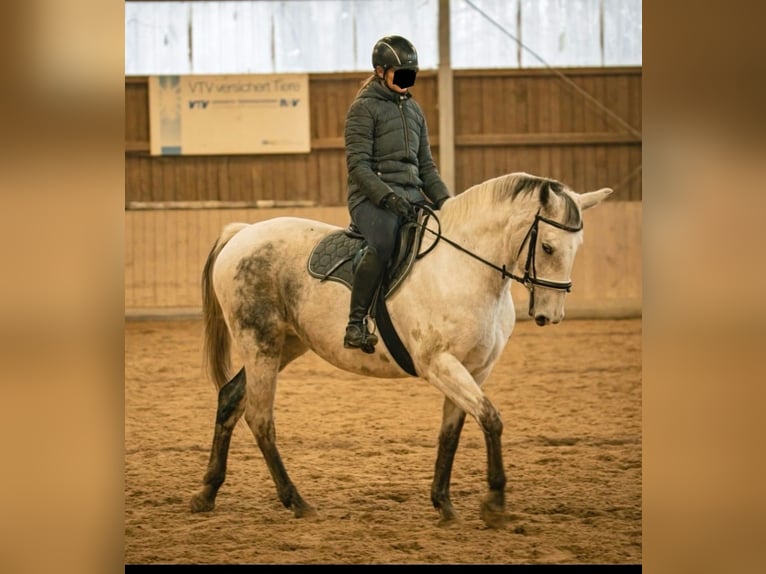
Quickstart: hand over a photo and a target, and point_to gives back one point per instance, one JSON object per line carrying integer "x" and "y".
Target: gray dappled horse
{"x": 453, "y": 313}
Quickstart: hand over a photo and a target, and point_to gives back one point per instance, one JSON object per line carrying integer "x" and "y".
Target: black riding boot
{"x": 366, "y": 279}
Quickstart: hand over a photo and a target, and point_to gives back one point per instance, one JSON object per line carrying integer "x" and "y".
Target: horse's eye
{"x": 547, "y": 248}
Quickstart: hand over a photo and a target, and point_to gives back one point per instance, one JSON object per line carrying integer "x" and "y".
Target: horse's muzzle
{"x": 542, "y": 320}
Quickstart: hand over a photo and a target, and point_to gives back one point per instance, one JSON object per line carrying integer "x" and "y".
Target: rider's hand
{"x": 439, "y": 202}
{"x": 399, "y": 206}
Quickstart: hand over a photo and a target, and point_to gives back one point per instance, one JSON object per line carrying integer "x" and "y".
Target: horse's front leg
{"x": 449, "y": 437}
{"x": 493, "y": 505}
{"x": 464, "y": 394}
{"x": 231, "y": 405}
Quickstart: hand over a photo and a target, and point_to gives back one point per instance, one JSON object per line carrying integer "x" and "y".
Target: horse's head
{"x": 547, "y": 252}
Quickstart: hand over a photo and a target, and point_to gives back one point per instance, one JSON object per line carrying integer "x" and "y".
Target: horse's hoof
{"x": 494, "y": 520}
{"x": 304, "y": 510}
{"x": 448, "y": 521}
{"x": 447, "y": 515}
{"x": 201, "y": 504}
{"x": 493, "y": 515}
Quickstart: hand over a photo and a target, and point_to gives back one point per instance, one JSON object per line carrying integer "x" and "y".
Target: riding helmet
{"x": 395, "y": 52}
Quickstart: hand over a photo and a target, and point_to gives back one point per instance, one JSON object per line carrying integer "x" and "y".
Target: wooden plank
{"x": 594, "y": 110}
{"x": 554, "y": 138}
{"x": 601, "y": 164}
{"x": 312, "y": 176}
{"x": 191, "y": 267}
{"x": 578, "y": 106}
{"x": 493, "y": 110}
{"x": 469, "y": 106}
{"x": 553, "y": 108}
{"x": 328, "y": 143}
{"x": 165, "y": 253}
{"x": 555, "y": 162}
{"x": 545, "y": 162}
{"x": 155, "y": 181}
{"x": 342, "y": 187}
{"x": 236, "y": 191}
{"x": 196, "y": 205}
{"x": 170, "y": 231}
{"x": 177, "y": 255}
{"x": 536, "y": 103}
{"x": 197, "y": 185}
{"x": 588, "y": 168}
{"x": 154, "y": 268}
{"x": 605, "y": 122}
{"x": 537, "y": 72}
{"x": 522, "y": 103}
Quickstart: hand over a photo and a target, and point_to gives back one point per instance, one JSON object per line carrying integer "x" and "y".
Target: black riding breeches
{"x": 380, "y": 228}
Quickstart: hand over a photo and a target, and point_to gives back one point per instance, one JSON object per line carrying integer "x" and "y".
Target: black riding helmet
{"x": 397, "y": 53}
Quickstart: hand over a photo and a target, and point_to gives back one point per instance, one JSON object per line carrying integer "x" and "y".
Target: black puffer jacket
{"x": 387, "y": 148}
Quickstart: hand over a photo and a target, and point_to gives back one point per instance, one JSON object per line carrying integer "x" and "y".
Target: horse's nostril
{"x": 541, "y": 320}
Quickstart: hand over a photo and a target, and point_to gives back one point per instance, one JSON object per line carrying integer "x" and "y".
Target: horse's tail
{"x": 217, "y": 344}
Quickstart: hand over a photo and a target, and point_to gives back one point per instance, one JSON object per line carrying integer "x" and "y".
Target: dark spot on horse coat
{"x": 292, "y": 294}
{"x": 259, "y": 300}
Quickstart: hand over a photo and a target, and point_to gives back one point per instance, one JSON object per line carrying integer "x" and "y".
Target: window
{"x": 338, "y": 35}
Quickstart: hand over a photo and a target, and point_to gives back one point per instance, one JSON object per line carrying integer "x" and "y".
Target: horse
{"x": 453, "y": 313}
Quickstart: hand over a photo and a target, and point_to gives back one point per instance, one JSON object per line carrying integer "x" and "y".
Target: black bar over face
{"x": 405, "y": 78}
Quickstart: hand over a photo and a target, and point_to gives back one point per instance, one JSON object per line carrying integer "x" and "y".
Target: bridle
{"x": 529, "y": 279}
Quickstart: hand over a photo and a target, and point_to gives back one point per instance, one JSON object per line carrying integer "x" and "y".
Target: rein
{"x": 529, "y": 279}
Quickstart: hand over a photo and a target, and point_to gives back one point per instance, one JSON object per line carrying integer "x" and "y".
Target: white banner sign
{"x": 236, "y": 114}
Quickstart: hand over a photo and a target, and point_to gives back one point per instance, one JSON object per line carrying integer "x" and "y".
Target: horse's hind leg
{"x": 231, "y": 405}
{"x": 449, "y": 437}
{"x": 259, "y": 414}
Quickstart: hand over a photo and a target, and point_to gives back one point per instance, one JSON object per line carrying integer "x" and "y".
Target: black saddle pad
{"x": 333, "y": 257}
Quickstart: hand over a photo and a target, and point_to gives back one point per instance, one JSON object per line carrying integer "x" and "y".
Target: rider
{"x": 388, "y": 155}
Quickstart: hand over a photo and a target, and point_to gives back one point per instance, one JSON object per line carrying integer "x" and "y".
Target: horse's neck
{"x": 495, "y": 233}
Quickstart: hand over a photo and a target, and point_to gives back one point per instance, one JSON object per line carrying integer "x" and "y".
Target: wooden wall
{"x": 505, "y": 120}
{"x": 166, "y": 250}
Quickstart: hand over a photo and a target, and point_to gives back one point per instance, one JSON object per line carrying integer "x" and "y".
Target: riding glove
{"x": 399, "y": 206}
{"x": 439, "y": 202}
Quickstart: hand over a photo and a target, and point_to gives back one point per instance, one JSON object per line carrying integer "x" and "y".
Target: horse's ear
{"x": 593, "y": 198}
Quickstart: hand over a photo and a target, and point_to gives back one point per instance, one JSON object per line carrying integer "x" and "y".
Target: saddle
{"x": 335, "y": 256}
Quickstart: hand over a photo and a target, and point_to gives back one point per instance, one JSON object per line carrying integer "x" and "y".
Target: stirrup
{"x": 358, "y": 337}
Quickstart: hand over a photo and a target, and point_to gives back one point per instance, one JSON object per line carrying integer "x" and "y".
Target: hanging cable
{"x": 563, "y": 77}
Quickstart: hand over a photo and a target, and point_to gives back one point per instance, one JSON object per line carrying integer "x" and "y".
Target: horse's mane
{"x": 507, "y": 188}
